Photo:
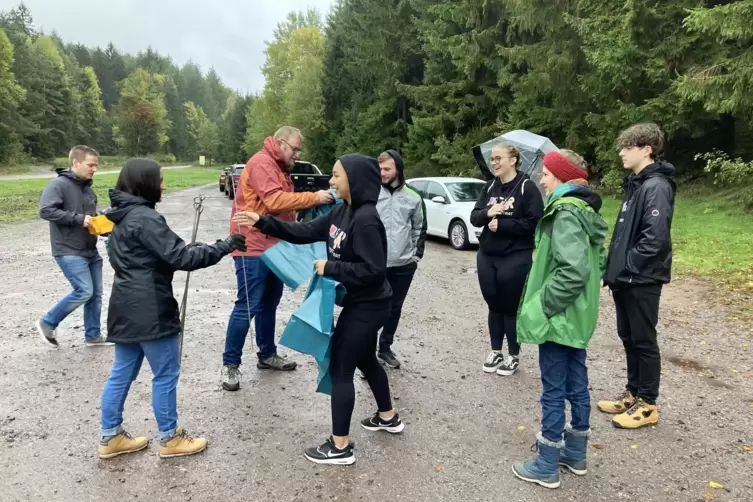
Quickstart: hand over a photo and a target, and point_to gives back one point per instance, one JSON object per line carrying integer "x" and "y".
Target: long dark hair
{"x": 141, "y": 177}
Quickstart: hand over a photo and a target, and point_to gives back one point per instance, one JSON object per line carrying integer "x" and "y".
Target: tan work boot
{"x": 121, "y": 443}
{"x": 640, "y": 415}
{"x": 181, "y": 444}
{"x": 620, "y": 405}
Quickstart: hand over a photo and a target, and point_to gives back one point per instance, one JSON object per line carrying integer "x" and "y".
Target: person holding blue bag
{"x": 356, "y": 258}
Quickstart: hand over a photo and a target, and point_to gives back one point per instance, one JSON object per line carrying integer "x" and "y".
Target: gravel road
{"x": 464, "y": 427}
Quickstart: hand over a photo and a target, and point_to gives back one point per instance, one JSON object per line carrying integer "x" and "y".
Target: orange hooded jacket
{"x": 265, "y": 188}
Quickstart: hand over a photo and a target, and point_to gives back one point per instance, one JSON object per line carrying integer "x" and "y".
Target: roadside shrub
{"x": 730, "y": 173}
{"x": 611, "y": 183}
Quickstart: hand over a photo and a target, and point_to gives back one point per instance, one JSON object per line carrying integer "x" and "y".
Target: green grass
{"x": 712, "y": 238}
{"x": 19, "y": 199}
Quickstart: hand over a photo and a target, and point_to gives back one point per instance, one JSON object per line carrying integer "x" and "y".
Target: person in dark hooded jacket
{"x": 638, "y": 265}
{"x": 357, "y": 258}
{"x": 143, "y": 318}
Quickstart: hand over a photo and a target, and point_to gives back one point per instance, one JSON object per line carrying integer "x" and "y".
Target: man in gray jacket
{"x": 68, "y": 203}
{"x": 402, "y": 212}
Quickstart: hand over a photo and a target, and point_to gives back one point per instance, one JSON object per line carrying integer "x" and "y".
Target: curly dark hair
{"x": 641, "y": 135}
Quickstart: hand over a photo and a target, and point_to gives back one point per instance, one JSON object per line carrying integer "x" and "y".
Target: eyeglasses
{"x": 295, "y": 148}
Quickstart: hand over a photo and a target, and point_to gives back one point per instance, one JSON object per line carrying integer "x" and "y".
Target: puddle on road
{"x": 687, "y": 363}
{"x": 692, "y": 364}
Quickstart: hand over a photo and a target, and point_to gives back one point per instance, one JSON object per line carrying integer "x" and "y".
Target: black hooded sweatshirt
{"x": 355, "y": 236}
{"x": 144, "y": 253}
{"x": 515, "y": 227}
{"x": 640, "y": 252}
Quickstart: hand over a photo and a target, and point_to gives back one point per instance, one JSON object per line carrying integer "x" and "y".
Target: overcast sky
{"x": 226, "y": 34}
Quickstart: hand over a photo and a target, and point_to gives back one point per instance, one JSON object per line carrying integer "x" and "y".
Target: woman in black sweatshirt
{"x": 357, "y": 258}
{"x": 509, "y": 208}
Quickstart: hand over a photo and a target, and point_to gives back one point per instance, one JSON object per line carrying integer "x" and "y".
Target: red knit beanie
{"x": 563, "y": 169}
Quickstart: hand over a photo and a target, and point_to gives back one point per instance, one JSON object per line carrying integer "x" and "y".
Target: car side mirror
{"x": 439, "y": 199}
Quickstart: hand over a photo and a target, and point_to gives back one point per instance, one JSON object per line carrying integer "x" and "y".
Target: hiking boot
{"x": 328, "y": 453}
{"x": 493, "y": 361}
{"x": 181, "y": 444}
{"x": 573, "y": 455}
{"x": 639, "y": 415}
{"x": 276, "y": 362}
{"x": 97, "y": 341}
{"x": 509, "y": 366}
{"x": 544, "y": 469}
{"x": 377, "y": 423}
{"x": 231, "y": 378}
{"x": 47, "y": 333}
{"x": 620, "y": 405}
{"x": 121, "y": 443}
{"x": 388, "y": 358}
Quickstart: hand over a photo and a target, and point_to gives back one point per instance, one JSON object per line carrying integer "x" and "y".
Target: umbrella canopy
{"x": 532, "y": 148}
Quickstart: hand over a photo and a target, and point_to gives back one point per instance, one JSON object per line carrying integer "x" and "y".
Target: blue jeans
{"x": 259, "y": 293}
{"x": 163, "y": 357}
{"x": 563, "y": 376}
{"x": 85, "y": 275}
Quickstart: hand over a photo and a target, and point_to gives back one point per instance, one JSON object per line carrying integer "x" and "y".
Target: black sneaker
{"x": 47, "y": 333}
{"x": 377, "y": 423}
{"x": 493, "y": 360}
{"x": 509, "y": 366}
{"x": 328, "y": 453}
{"x": 388, "y": 358}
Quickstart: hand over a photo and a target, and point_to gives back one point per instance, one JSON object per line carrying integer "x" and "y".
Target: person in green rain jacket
{"x": 558, "y": 313}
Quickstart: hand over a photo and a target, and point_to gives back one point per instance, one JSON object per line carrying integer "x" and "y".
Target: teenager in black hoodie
{"x": 638, "y": 265}
{"x": 509, "y": 208}
{"x": 357, "y": 258}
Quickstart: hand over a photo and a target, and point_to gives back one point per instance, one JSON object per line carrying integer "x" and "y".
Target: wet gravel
{"x": 464, "y": 427}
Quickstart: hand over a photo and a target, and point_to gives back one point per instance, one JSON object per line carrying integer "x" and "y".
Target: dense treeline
{"x": 433, "y": 78}
{"x": 54, "y": 94}
{"x": 429, "y": 77}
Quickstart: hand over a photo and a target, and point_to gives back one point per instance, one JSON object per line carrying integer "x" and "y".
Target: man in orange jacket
{"x": 264, "y": 188}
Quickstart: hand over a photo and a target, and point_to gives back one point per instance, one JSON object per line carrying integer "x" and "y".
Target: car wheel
{"x": 458, "y": 235}
{"x": 222, "y": 188}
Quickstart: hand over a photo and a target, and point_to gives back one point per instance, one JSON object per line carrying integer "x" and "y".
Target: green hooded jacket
{"x": 561, "y": 298}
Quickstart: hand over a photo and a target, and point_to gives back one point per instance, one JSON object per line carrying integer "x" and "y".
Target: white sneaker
{"x": 509, "y": 366}
{"x": 493, "y": 360}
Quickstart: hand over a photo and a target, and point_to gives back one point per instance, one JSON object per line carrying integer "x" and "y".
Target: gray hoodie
{"x": 64, "y": 203}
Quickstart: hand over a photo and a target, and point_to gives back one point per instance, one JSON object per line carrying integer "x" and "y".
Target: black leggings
{"x": 354, "y": 345}
{"x": 502, "y": 279}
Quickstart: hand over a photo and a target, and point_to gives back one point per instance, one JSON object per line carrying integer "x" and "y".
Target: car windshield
{"x": 464, "y": 191}
{"x": 237, "y": 170}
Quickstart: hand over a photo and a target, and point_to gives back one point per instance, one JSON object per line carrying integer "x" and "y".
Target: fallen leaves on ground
{"x": 747, "y": 448}
{"x": 715, "y": 485}
{"x": 521, "y": 428}
{"x": 635, "y": 446}
{"x": 708, "y": 496}
{"x": 437, "y": 468}
{"x": 598, "y": 446}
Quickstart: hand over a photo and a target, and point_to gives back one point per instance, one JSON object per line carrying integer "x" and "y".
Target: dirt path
{"x": 463, "y": 426}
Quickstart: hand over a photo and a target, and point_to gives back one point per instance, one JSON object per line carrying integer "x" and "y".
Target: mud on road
{"x": 463, "y": 427}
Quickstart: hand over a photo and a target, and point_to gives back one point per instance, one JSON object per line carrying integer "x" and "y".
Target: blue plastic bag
{"x": 316, "y": 211}
{"x": 311, "y": 326}
{"x": 294, "y": 263}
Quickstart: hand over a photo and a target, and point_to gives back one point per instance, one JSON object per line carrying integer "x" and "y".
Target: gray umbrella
{"x": 532, "y": 148}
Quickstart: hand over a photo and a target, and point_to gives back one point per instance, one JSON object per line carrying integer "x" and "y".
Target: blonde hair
{"x": 286, "y": 132}
{"x": 574, "y": 159}
{"x": 384, "y": 157}
{"x": 511, "y": 151}
{"x": 79, "y": 153}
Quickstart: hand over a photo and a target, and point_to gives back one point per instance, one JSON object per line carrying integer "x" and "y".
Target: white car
{"x": 449, "y": 202}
